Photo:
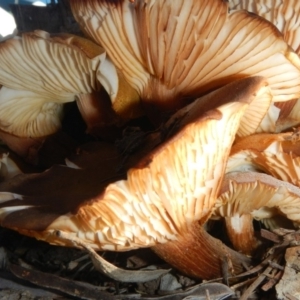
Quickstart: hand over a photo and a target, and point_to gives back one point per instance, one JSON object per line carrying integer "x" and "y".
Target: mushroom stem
{"x": 241, "y": 233}
{"x": 200, "y": 255}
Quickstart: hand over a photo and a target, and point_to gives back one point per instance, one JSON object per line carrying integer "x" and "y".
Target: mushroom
{"x": 101, "y": 114}
{"x": 280, "y": 116}
{"x": 163, "y": 199}
{"x": 245, "y": 196}
{"x": 259, "y": 115}
{"x": 40, "y": 72}
{"x": 171, "y": 53}
{"x": 274, "y": 154}
{"x": 278, "y": 156}
{"x": 289, "y": 115}
{"x": 284, "y": 14}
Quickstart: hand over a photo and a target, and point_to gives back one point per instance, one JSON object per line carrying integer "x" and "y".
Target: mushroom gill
{"x": 260, "y": 168}
{"x": 289, "y": 115}
{"x": 245, "y": 196}
{"x": 40, "y": 72}
{"x": 284, "y": 14}
{"x": 169, "y": 193}
{"x": 172, "y": 51}
{"x": 274, "y": 154}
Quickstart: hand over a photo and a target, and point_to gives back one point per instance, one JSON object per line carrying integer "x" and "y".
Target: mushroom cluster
{"x": 217, "y": 87}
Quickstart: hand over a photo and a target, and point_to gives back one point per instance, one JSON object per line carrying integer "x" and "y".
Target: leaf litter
{"x": 40, "y": 270}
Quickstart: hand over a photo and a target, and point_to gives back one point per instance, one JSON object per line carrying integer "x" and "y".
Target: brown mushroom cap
{"x": 170, "y": 51}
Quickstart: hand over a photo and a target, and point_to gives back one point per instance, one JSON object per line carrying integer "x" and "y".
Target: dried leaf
{"x": 112, "y": 271}
{"x": 216, "y": 291}
{"x": 70, "y": 287}
{"x": 11, "y": 287}
{"x": 288, "y": 287}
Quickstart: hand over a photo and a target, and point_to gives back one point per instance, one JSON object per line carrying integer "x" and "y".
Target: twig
{"x": 272, "y": 281}
{"x": 207, "y": 295}
{"x": 241, "y": 284}
{"x": 275, "y": 265}
{"x": 255, "y": 284}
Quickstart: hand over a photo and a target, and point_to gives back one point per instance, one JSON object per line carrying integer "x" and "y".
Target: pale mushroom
{"x": 245, "y": 196}
{"x": 274, "y": 154}
{"x": 259, "y": 115}
{"x": 171, "y": 52}
{"x": 163, "y": 200}
{"x": 40, "y": 72}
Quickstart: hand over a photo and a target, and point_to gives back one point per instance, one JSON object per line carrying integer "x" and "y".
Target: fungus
{"x": 40, "y": 72}
{"x": 275, "y": 154}
{"x": 163, "y": 199}
{"x": 258, "y": 114}
{"x": 171, "y": 53}
{"x": 284, "y": 14}
{"x": 101, "y": 113}
{"x": 289, "y": 115}
{"x": 245, "y": 196}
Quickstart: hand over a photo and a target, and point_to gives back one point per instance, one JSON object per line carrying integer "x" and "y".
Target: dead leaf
{"x": 112, "y": 271}
{"x": 216, "y": 291}
{"x": 70, "y": 287}
{"x": 289, "y": 287}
